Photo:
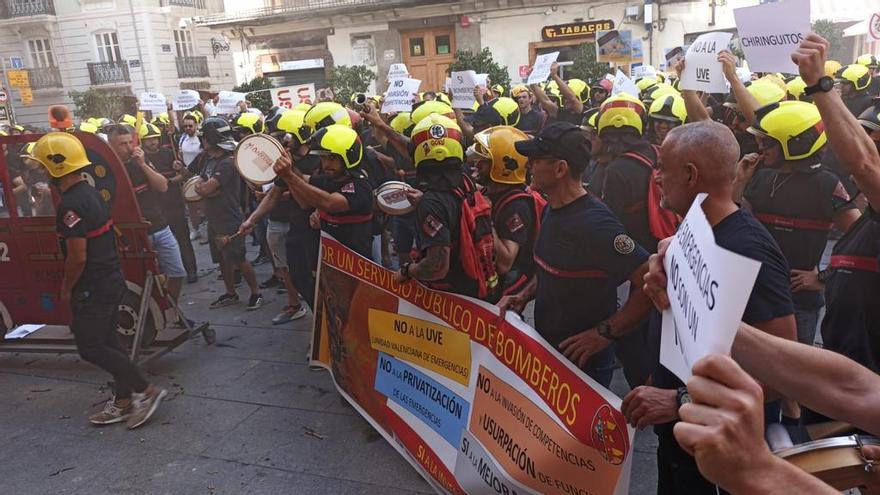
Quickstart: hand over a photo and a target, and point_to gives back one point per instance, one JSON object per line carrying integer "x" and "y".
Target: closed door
{"x": 427, "y": 54}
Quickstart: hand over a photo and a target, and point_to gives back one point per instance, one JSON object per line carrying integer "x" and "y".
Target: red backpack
{"x": 538, "y": 200}
{"x": 476, "y": 241}
{"x": 663, "y": 223}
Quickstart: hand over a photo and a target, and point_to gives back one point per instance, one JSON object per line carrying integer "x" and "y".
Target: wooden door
{"x": 427, "y": 53}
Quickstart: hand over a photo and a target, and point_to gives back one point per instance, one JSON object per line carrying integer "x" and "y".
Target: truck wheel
{"x": 127, "y": 321}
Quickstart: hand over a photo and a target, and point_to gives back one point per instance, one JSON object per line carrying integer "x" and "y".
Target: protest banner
{"x": 291, "y": 96}
{"x": 184, "y": 100}
{"x": 703, "y": 72}
{"x": 644, "y": 71}
{"x": 708, "y": 288}
{"x": 541, "y": 69}
{"x": 462, "y": 89}
{"x": 399, "y": 97}
{"x": 770, "y": 32}
{"x": 476, "y": 403}
{"x": 614, "y": 46}
{"x": 397, "y": 71}
{"x": 623, "y": 84}
{"x": 152, "y": 102}
{"x": 227, "y": 101}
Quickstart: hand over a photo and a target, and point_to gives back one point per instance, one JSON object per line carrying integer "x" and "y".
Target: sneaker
{"x": 194, "y": 235}
{"x": 260, "y": 260}
{"x": 270, "y": 283}
{"x": 111, "y": 413}
{"x": 255, "y": 302}
{"x": 290, "y": 313}
{"x": 224, "y": 300}
{"x": 192, "y": 278}
{"x": 145, "y": 405}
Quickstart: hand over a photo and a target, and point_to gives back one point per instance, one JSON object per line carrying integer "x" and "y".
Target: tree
{"x": 349, "y": 80}
{"x": 481, "y": 63}
{"x": 94, "y": 102}
{"x": 585, "y": 67}
{"x": 261, "y": 100}
{"x": 834, "y": 34}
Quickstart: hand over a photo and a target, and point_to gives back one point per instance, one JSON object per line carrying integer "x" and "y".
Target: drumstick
{"x": 224, "y": 240}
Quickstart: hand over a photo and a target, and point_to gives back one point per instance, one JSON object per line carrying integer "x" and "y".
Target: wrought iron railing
{"x": 44, "y": 78}
{"x": 192, "y": 67}
{"x": 195, "y": 4}
{"x": 24, "y": 8}
{"x": 108, "y": 73}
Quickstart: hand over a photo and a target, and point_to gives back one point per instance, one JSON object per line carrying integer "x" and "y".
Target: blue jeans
{"x": 807, "y": 320}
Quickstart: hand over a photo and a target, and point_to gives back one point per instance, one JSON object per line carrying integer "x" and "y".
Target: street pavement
{"x": 244, "y": 416}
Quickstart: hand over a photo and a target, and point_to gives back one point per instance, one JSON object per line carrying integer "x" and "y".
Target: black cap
{"x": 562, "y": 140}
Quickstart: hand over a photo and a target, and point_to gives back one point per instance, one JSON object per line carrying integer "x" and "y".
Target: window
{"x": 416, "y": 47}
{"x": 108, "y": 47}
{"x": 442, "y": 44}
{"x": 41, "y": 53}
{"x": 184, "y": 42}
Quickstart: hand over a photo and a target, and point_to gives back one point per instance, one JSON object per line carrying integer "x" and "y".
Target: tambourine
{"x": 836, "y": 461}
{"x": 391, "y": 198}
{"x": 255, "y": 156}
{"x": 189, "y": 190}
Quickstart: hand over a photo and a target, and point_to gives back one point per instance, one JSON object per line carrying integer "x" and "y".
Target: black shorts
{"x": 233, "y": 252}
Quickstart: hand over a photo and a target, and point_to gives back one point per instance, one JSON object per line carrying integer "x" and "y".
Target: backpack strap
{"x": 506, "y": 200}
{"x": 640, "y": 158}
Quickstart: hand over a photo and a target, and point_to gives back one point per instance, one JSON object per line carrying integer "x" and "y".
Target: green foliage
{"x": 98, "y": 103}
{"x": 349, "y": 80}
{"x": 585, "y": 66}
{"x": 261, "y": 100}
{"x": 834, "y": 34}
{"x": 481, "y": 63}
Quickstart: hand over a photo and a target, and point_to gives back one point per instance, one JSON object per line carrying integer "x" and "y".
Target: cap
{"x": 562, "y": 140}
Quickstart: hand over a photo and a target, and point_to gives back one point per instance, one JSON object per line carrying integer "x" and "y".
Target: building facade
{"x": 298, "y": 41}
{"x": 125, "y": 46}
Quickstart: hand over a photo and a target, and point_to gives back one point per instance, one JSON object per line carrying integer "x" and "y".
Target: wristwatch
{"x": 825, "y": 84}
{"x": 823, "y": 276}
{"x": 682, "y": 396}
{"x": 604, "y": 329}
{"x": 404, "y": 271}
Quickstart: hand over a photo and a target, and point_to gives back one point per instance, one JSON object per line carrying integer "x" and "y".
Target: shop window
{"x": 416, "y": 47}
{"x": 442, "y": 44}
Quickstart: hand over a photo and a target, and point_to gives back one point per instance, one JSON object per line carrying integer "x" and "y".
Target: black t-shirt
{"x": 594, "y": 177}
{"x": 224, "y": 208}
{"x": 299, "y": 217}
{"x": 438, "y": 216}
{"x": 163, "y": 162}
{"x": 858, "y": 103}
{"x": 531, "y": 122}
{"x": 566, "y": 115}
{"x": 83, "y": 214}
{"x": 626, "y": 194}
{"x": 353, "y": 227}
{"x": 582, "y": 254}
{"x": 150, "y": 200}
{"x": 832, "y": 163}
{"x": 515, "y": 221}
{"x": 798, "y": 210}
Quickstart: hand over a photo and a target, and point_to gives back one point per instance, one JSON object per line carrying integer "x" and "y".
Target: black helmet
{"x": 217, "y": 132}
{"x": 272, "y": 117}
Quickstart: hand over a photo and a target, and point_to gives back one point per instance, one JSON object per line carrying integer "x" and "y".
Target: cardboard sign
{"x": 541, "y": 69}
{"x": 770, "y": 32}
{"x": 702, "y": 71}
{"x": 397, "y": 71}
{"x": 227, "y": 101}
{"x": 152, "y": 102}
{"x": 399, "y": 97}
{"x": 708, "y": 288}
{"x": 18, "y": 78}
{"x": 623, "y": 84}
{"x": 291, "y": 96}
{"x": 184, "y": 100}
{"x": 614, "y": 46}
{"x": 462, "y": 88}
{"x": 27, "y": 96}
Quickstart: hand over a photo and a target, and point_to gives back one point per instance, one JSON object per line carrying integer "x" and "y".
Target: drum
{"x": 391, "y": 198}
{"x": 836, "y": 461}
{"x": 254, "y": 157}
{"x": 189, "y": 190}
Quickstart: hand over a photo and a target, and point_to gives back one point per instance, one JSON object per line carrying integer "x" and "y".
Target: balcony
{"x": 188, "y": 67}
{"x": 45, "y": 78}
{"x": 193, "y": 4}
{"x": 13, "y": 9}
{"x": 102, "y": 73}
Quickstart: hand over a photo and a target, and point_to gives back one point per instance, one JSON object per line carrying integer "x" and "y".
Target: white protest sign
{"x": 541, "y": 69}
{"x": 291, "y": 96}
{"x": 153, "y": 102}
{"x": 462, "y": 89}
{"x": 482, "y": 81}
{"x": 644, "y": 71}
{"x": 770, "y": 32}
{"x": 399, "y": 97}
{"x": 702, "y": 70}
{"x": 623, "y": 84}
{"x": 708, "y": 288}
{"x": 397, "y": 71}
{"x": 227, "y": 101}
{"x": 185, "y": 99}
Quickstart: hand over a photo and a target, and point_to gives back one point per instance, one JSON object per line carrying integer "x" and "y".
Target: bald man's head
{"x": 695, "y": 158}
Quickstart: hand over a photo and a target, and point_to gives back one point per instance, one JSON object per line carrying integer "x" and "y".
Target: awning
{"x": 838, "y": 11}
{"x": 857, "y": 29}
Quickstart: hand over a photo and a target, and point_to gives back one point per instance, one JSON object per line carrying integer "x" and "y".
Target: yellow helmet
{"x": 500, "y": 111}
{"x": 796, "y": 89}
{"x": 580, "y": 89}
{"x": 518, "y": 90}
{"x": 621, "y": 110}
{"x": 87, "y": 127}
{"x": 161, "y": 119}
{"x": 766, "y": 92}
{"x": 61, "y": 153}
{"x": 656, "y": 91}
{"x": 831, "y": 67}
{"x": 498, "y": 90}
{"x": 248, "y": 122}
{"x": 661, "y": 77}
{"x": 293, "y": 123}
{"x": 795, "y": 125}
{"x": 774, "y": 79}
{"x": 148, "y": 131}
{"x": 303, "y": 107}
{"x": 27, "y": 151}
{"x": 441, "y": 97}
{"x": 197, "y": 115}
{"x": 326, "y": 113}
{"x": 341, "y": 141}
{"x": 436, "y": 138}
{"x": 401, "y": 123}
{"x": 589, "y": 120}
{"x": 868, "y": 60}
{"x": 858, "y": 75}
{"x": 429, "y": 107}
{"x": 646, "y": 82}
{"x": 128, "y": 119}
{"x": 497, "y": 144}
{"x": 670, "y": 108}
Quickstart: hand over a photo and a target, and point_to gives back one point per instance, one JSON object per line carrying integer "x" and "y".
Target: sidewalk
{"x": 244, "y": 416}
